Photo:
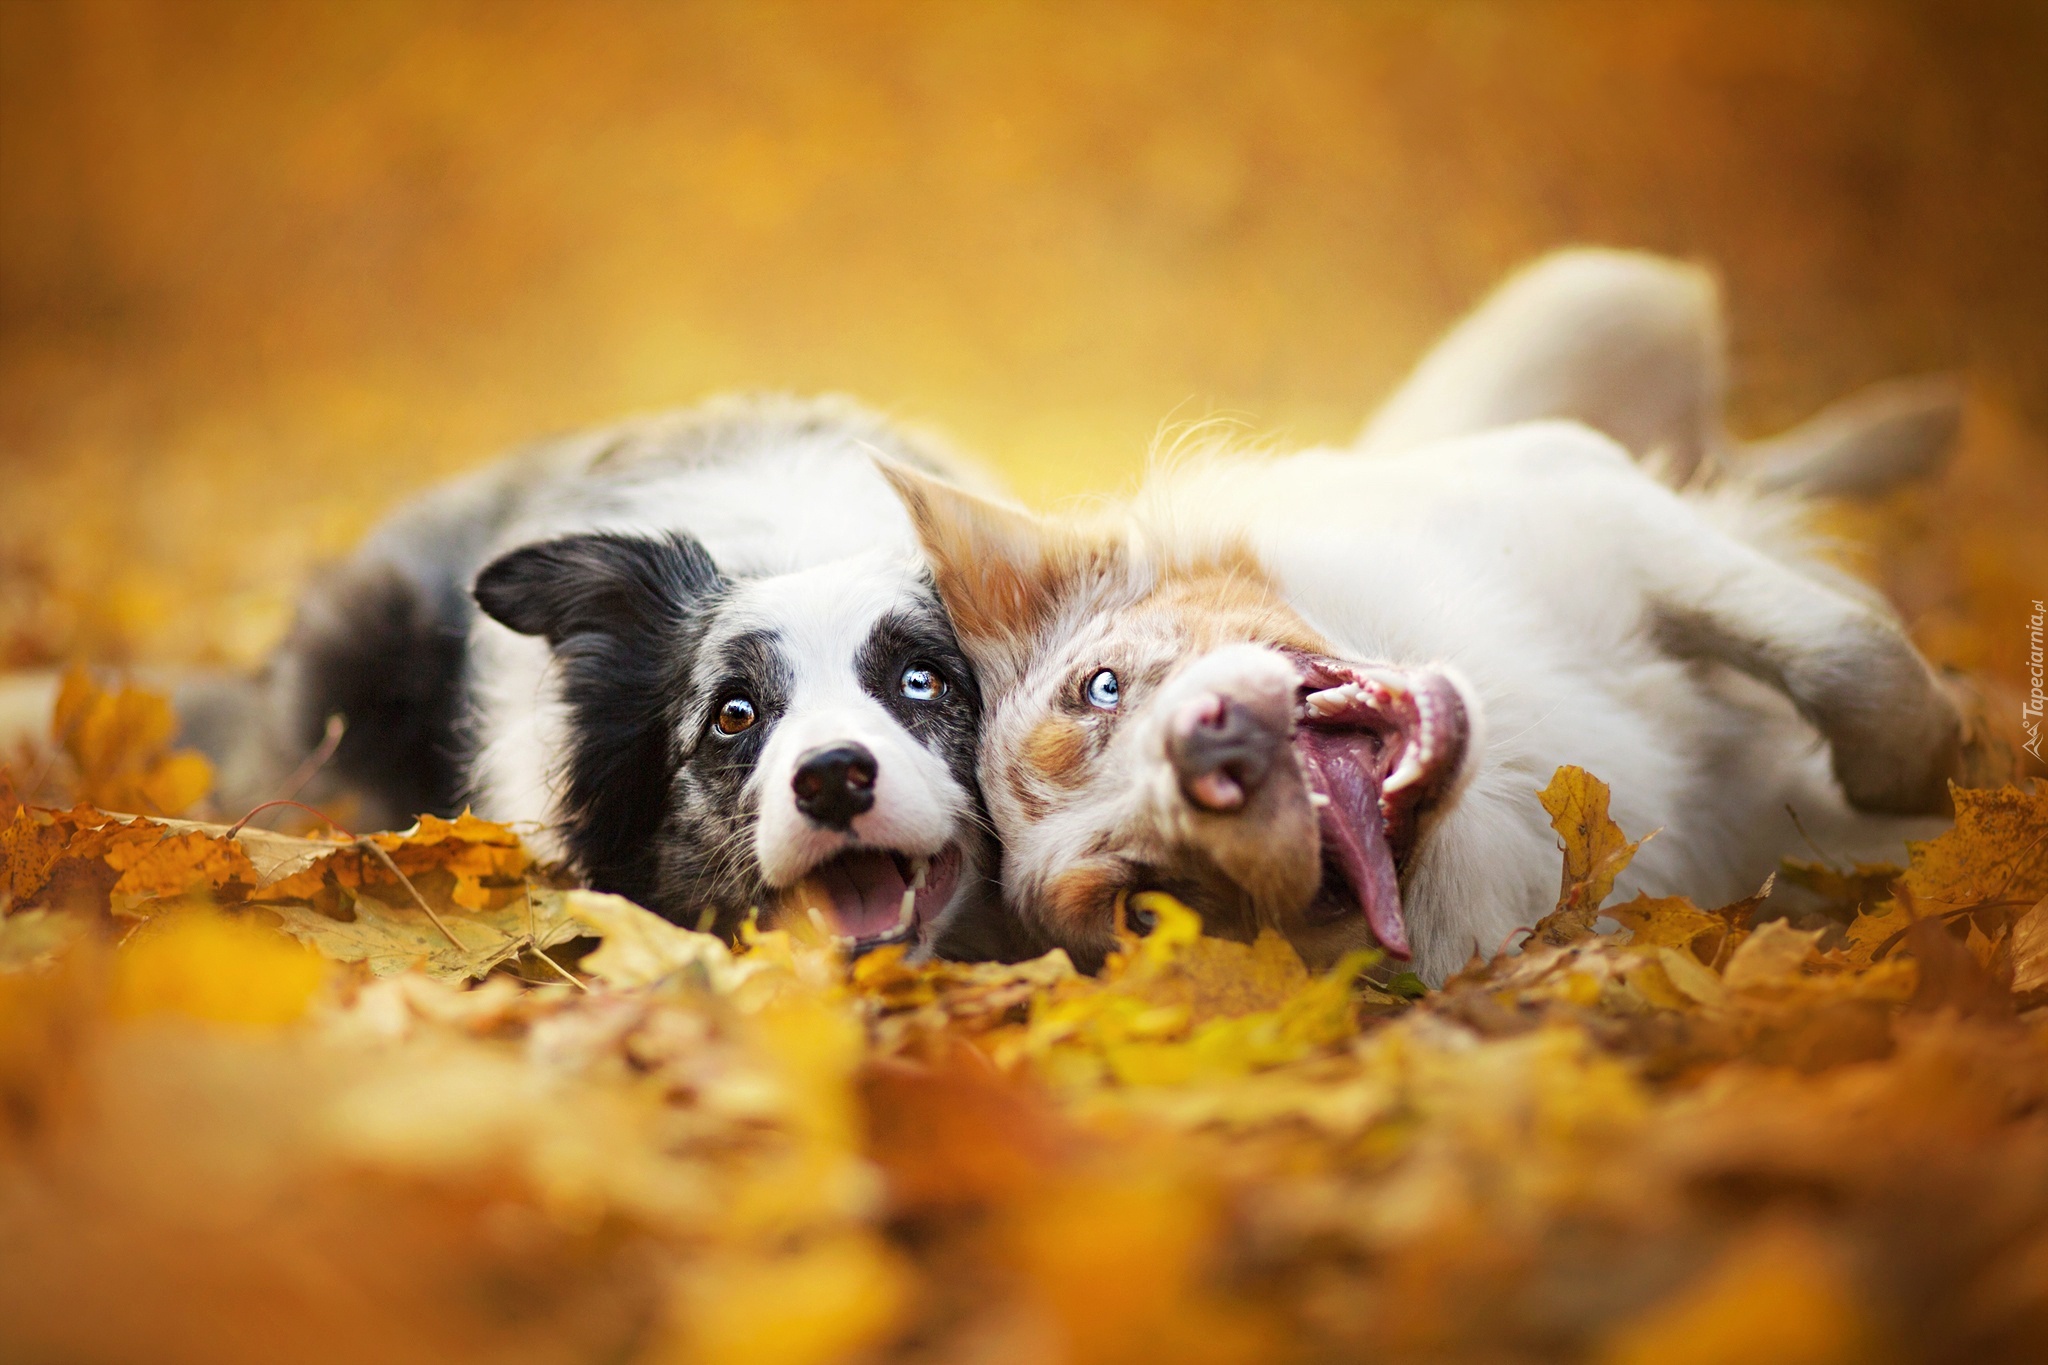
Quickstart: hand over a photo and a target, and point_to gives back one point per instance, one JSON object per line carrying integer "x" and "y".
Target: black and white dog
{"x": 709, "y": 667}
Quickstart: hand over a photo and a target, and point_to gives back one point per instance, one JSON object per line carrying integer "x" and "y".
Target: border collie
{"x": 1321, "y": 693}
{"x": 709, "y": 666}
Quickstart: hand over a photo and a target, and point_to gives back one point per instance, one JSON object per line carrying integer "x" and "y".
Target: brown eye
{"x": 734, "y": 715}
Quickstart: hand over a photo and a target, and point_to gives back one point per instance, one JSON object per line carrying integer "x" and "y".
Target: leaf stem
{"x": 405, "y": 881}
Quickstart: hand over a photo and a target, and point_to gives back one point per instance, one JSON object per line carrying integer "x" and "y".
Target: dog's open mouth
{"x": 867, "y": 897}
{"x": 1378, "y": 747}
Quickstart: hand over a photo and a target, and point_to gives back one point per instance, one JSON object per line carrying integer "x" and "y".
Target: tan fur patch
{"x": 1057, "y": 750}
{"x": 1000, "y": 569}
{"x": 1230, "y": 599}
{"x": 1025, "y": 792}
{"x": 1080, "y": 903}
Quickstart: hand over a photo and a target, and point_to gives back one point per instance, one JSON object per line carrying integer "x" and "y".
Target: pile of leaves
{"x": 414, "y": 1097}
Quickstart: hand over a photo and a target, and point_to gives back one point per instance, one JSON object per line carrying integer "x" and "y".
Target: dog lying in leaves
{"x": 695, "y": 653}
{"x": 1321, "y": 693}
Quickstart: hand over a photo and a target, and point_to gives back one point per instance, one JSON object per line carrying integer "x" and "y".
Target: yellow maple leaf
{"x": 1595, "y": 853}
{"x": 119, "y": 744}
{"x": 1664, "y": 921}
{"x": 1995, "y": 857}
{"x": 1177, "y": 1006}
{"x": 1997, "y": 851}
{"x": 485, "y": 859}
{"x": 215, "y": 967}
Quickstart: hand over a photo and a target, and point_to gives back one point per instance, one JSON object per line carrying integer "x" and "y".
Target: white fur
{"x": 1689, "y": 647}
{"x": 1533, "y": 560}
{"x": 823, "y": 616}
{"x": 1626, "y": 342}
{"x": 823, "y": 549}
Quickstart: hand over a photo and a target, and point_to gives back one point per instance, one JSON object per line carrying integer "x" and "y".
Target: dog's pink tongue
{"x": 1353, "y": 827}
{"x": 866, "y": 891}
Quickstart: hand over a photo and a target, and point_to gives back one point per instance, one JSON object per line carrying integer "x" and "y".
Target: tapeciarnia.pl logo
{"x": 2030, "y": 712}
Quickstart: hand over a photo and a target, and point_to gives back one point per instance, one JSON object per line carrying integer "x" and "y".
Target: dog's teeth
{"x": 909, "y": 910}
{"x": 1332, "y": 700}
{"x": 818, "y": 919}
{"x": 918, "y": 868}
{"x": 1318, "y": 800}
{"x": 1393, "y": 684}
{"x": 1406, "y": 773}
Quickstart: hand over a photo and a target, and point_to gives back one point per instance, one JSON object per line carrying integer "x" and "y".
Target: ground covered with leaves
{"x": 414, "y": 1097}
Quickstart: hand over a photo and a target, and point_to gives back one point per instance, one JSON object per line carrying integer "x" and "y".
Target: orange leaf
{"x": 1595, "y": 853}
{"x": 177, "y": 864}
{"x": 119, "y": 744}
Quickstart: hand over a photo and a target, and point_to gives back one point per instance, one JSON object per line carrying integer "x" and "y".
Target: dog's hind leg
{"x": 1634, "y": 346}
{"x": 1895, "y": 733}
{"x": 1628, "y": 343}
{"x": 1863, "y": 445}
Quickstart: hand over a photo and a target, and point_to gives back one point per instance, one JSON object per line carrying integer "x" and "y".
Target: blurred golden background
{"x": 265, "y": 268}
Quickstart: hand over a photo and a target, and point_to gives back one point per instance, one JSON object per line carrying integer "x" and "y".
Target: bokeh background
{"x": 267, "y": 266}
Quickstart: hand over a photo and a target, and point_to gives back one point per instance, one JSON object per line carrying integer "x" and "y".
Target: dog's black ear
{"x": 604, "y": 583}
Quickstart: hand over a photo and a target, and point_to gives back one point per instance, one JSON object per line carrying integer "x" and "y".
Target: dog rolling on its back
{"x": 1321, "y": 693}
{"x": 698, "y": 652}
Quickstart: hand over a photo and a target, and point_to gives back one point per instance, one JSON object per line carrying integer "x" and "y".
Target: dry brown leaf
{"x": 640, "y": 947}
{"x": 177, "y": 864}
{"x": 483, "y": 865}
{"x": 274, "y": 856}
{"x": 1997, "y": 851}
{"x": 2030, "y": 950}
{"x": 390, "y": 939}
{"x": 1698, "y": 983}
{"x": 1595, "y": 853}
{"x": 30, "y": 845}
{"x": 1771, "y": 956}
{"x": 1844, "y": 895}
{"x": 1254, "y": 1167}
{"x": 1664, "y": 921}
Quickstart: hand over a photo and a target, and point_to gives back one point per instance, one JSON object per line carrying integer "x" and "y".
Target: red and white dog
{"x": 1322, "y": 692}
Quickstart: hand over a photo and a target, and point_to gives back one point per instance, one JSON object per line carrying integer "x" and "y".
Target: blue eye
{"x": 922, "y": 684}
{"x": 1103, "y": 692}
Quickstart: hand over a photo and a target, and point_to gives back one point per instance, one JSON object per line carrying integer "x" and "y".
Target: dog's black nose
{"x": 1222, "y": 751}
{"x": 835, "y": 783}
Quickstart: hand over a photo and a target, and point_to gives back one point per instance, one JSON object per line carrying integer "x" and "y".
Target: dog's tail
{"x": 1626, "y": 342}
{"x": 367, "y": 697}
{"x": 374, "y": 668}
{"x": 1861, "y": 446}
{"x": 1633, "y": 345}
